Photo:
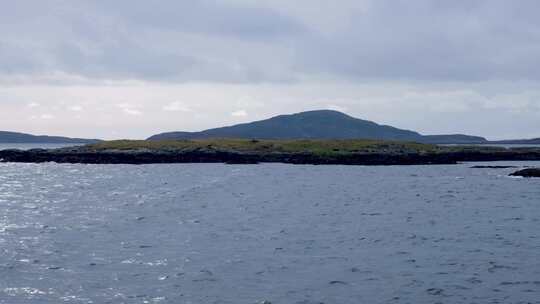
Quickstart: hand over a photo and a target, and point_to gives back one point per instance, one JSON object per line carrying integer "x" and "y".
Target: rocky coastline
{"x": 529, "y": 172}
{"x": 85, "y": 156}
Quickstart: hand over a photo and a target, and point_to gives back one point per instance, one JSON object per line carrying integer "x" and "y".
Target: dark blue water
{"x": 211, "y": 233}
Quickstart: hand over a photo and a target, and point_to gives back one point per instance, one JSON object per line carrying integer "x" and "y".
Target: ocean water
{"x": 213, "y": 233}
{"x": 507, "y": 146}
{"x": 28, "y": 146}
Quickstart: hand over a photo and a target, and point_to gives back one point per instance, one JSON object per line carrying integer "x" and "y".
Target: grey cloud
{"x": 432, "y": 40}
{"x": 16, "y": 59}
{"x": 211, "y": 17}
{"x": 272, "y": 41}
{"x": 122, "y": 61}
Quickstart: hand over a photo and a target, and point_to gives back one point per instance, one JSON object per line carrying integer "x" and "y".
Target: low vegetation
{"x": 267, "y": 146}
{"x": 246, "y": 151}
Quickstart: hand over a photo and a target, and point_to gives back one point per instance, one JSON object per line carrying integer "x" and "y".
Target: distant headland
{"x": 23, "y": 138}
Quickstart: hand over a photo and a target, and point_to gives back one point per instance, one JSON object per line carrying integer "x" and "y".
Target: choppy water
{"x": 507, "y": 146}
{"x": 211, "y": 233}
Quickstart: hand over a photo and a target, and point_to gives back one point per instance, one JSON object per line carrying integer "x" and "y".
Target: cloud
{"x": 42, "y": 117}
{"x": 132, "y": 112}
{"x": 46, "y": 116}
{"x": 177, "y": 106}
{"x": 129, "y": 109}
{"x": 507, "y": 110}
{"x": 421, "y": 64}
{"x": 239, "y": 113}
{"x": 430, "y": 41}
{"x": 76, "y": 108}
{"x": 336, "y": 108}
{"x": 238, "y": 41}
{"x": 177, "y": 41}
{"x": 32, "y": 105}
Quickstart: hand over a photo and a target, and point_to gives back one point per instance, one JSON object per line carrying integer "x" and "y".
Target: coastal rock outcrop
{"x": 231, "y": 151}
{"x": 530, "y": 172}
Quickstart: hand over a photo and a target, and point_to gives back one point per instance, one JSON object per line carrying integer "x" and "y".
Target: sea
{"x": 268, "y": 233}
{"x": 28, "y": 146}
{"x": 507, "y": 146}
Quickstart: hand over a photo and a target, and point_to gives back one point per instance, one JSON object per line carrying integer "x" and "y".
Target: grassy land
{"x": 324, "y": 147}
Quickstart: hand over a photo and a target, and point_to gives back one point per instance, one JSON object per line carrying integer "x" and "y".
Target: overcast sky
{"x": 133, "y": 68}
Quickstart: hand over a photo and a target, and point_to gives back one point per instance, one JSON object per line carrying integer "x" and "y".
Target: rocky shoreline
{"x": 85, "y": 156}
{"x": 529, "y": 172}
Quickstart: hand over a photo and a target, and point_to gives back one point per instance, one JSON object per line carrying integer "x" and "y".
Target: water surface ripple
{"x": 213, "y": 233}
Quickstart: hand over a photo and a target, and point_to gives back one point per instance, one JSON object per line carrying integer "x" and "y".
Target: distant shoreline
{"x": 243, "y": 151}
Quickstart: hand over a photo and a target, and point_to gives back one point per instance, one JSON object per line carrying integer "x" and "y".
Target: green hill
{"x": 321, "y": 124}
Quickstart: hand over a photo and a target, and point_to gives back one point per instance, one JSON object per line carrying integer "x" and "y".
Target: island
{"x": 252, "y": 151}
{"x": 313, "y": 137}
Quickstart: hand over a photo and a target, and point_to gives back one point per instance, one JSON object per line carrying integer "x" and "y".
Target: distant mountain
{"x": 321, "y": 124}
{"x": 14, "y": 137}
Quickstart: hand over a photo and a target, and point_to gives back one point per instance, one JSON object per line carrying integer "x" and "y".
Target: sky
{"x": 134, "y": 68}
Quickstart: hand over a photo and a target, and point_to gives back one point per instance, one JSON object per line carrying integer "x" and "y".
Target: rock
{"x": 531, "y": 172}
{"x": 338, "y": 283}
{"x": 435, "y": 291}
{"x": 54, "y": 268}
